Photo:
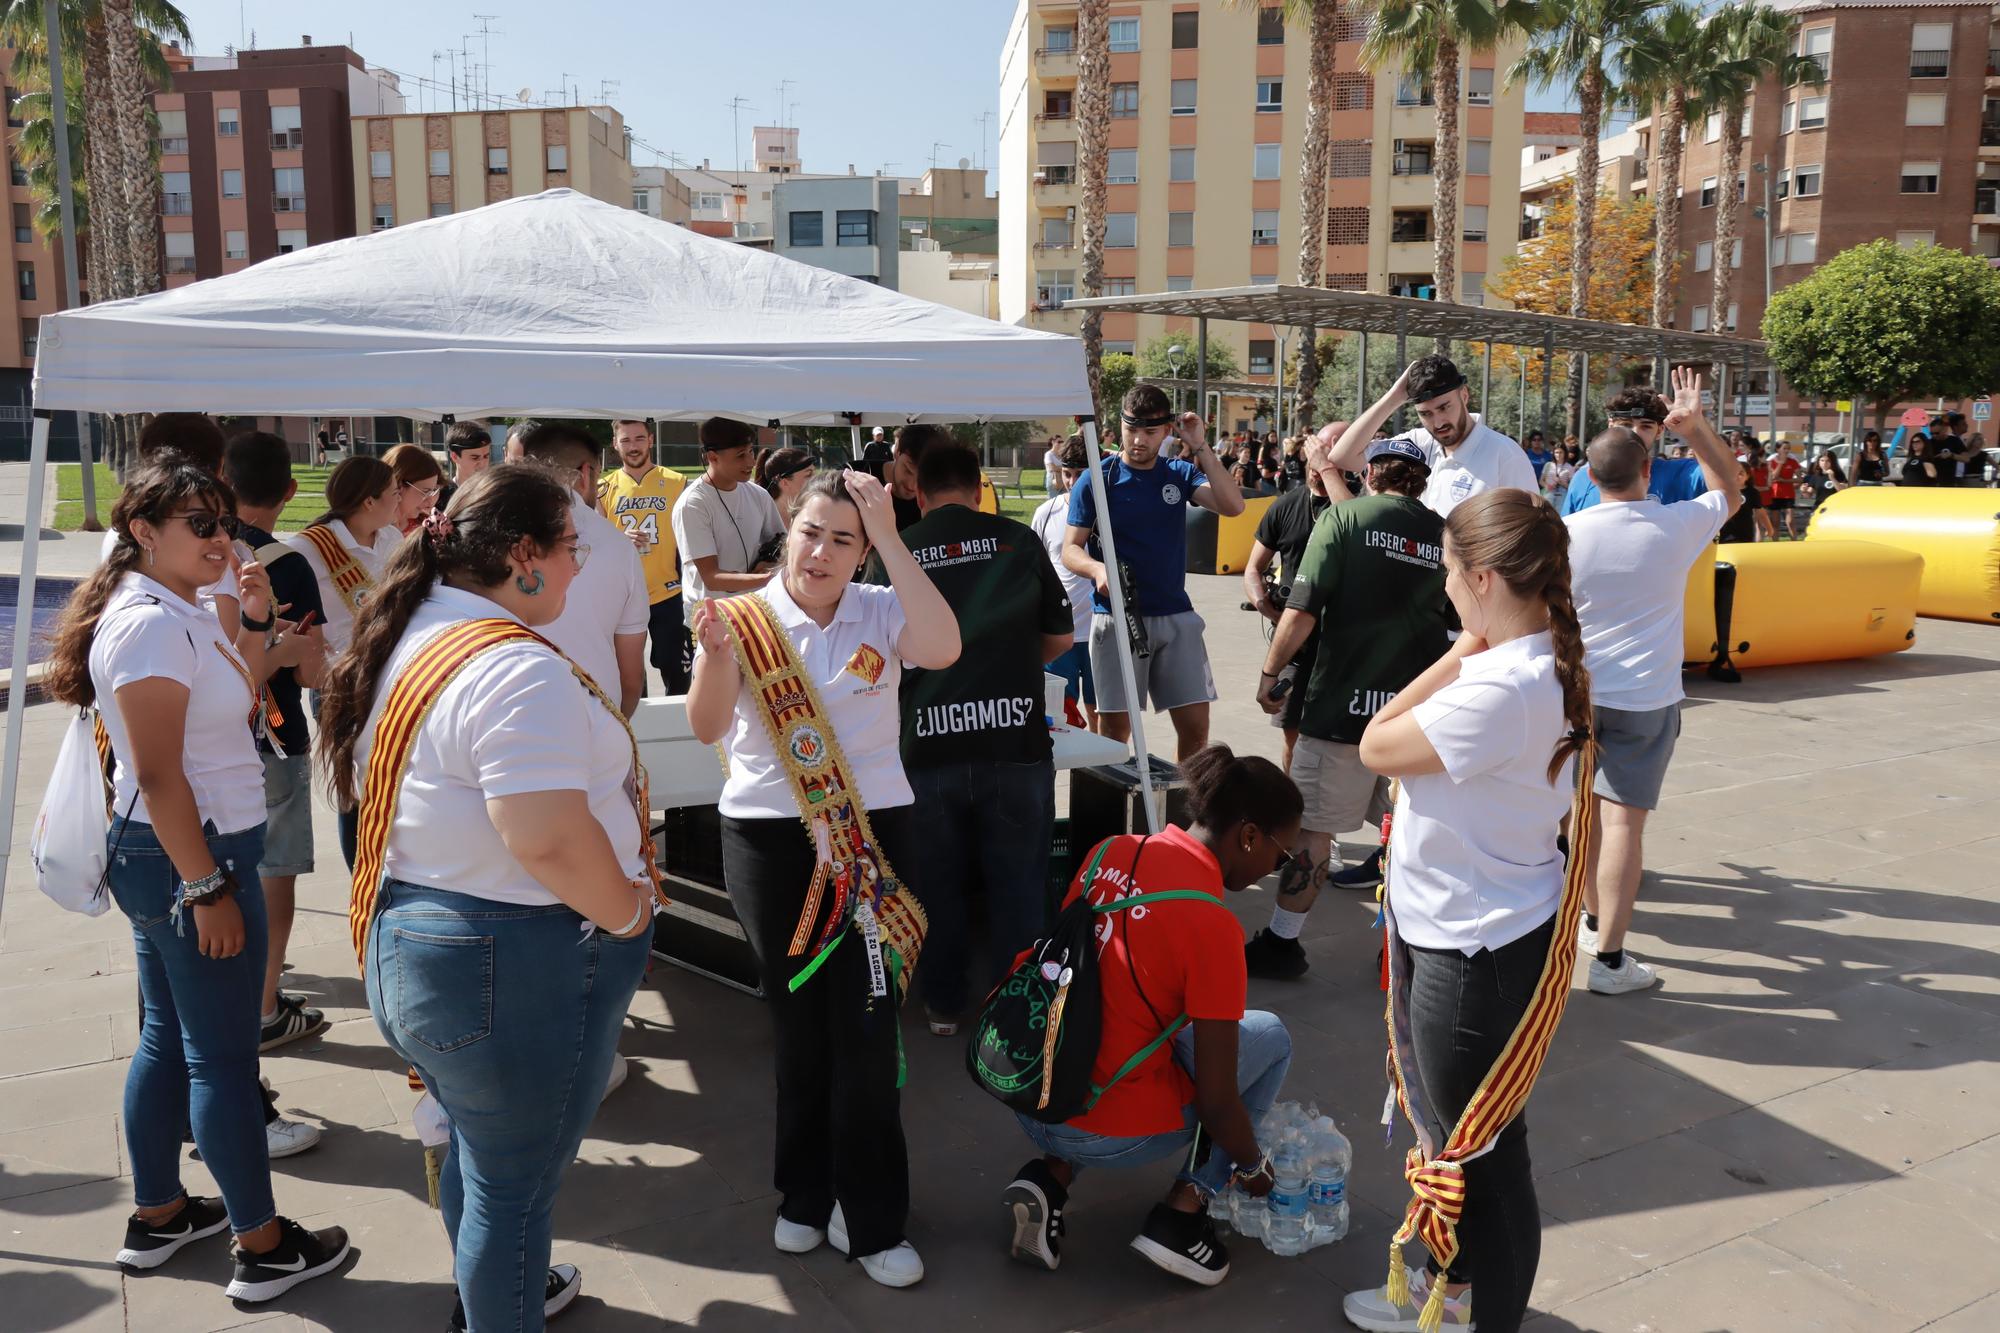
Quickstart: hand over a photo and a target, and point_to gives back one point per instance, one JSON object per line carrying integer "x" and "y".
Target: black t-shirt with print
{"x": 294, "y": 588}
{"x": 989, "y": 705}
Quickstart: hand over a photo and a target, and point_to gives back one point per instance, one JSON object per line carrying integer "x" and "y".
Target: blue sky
{"x": 881, "y": 84}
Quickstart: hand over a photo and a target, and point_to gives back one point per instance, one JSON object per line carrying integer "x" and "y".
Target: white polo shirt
{"x": 339, "y": 620}
{"x": 222, "y": 587}
{"x": 1486, "y": 460}
{"x": 858, "y": 690}
{"x": 146, "y": 631}
{"x": 1472, "y": 851}
{"x": 516, "y": 720}
{"x": 730, "y": 525}
{"x": 606, "y": 598}
{"x": 1051, "y": 524}
{"x": 1629, "y": 562}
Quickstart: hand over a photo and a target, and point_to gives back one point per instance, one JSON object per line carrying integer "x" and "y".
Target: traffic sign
{"x": 1982, "y": 409}
{"x": 1843, "y": 404}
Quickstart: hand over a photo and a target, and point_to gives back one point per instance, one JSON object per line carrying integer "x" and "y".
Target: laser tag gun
{"x": 1135, "y": 624}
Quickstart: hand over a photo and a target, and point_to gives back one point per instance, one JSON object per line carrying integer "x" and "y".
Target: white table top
{"x": 683, "y": 771}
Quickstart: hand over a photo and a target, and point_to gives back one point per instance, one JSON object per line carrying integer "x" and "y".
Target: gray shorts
{"x": 288, "y": 816}
{"x": 1633, "y": 751}
{"x": 1174, "y": 675}
{"x": 1340, "y": 793}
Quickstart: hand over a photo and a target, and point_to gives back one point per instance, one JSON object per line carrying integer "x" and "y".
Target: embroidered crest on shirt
{"x": 866, "y": 663}
{"x": 1170, "y": 494}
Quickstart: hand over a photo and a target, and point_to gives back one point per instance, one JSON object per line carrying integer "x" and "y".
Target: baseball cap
{"x": 1402, "y": 446}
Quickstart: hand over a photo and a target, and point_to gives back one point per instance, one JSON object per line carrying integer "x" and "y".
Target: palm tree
{"x": 1092, "y": 106}
{"x": 1425, "y": 39}
{"x": 1752, "y": 43}
{"x": 1666, "y": 69}
{"x": 36, "y": 145}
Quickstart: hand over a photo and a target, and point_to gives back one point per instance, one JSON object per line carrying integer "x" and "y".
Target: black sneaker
{"x": 150, "y": 1244}
{"x": 294, "y": 1022}
{"x": 1268, "y": 955}
{"x": 1184, "y": 1244}
{"x": 299, "y": 1256}
{"x": 565, "y": 1285}
{"x": 1366, "y": 875}
{"x": 1035, "y": 1200}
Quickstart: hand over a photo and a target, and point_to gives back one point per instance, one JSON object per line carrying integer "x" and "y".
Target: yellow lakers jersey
{"x": 644, "y": 512}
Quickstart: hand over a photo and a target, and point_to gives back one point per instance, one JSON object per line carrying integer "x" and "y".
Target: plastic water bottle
{"x": 1251, "y": 1216}
{"x": 1287, "y": 1233}
{"x": 1222, "y": 1204}
{"x": 1326, "y": 1194}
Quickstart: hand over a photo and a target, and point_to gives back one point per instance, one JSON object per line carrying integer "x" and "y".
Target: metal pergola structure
{"x": 1316, "y": 308}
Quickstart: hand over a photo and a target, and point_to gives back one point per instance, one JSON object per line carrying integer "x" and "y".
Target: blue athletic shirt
{"x": 1673, "y": 480}
{"x": 1150, "y": 526}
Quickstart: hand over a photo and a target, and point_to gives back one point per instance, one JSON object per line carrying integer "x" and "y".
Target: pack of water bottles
{"x": 1307, "y": 1206}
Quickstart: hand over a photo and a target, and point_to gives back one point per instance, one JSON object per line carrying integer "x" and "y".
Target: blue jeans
{"x": 1263, "y": 1054}
{"x": 198, "y": 1032}
{"x": 511, "y": 1014}
{"x": 986, "y": 829}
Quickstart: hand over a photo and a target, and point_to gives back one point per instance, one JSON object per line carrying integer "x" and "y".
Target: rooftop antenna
{"x": 783, "y": 86}
{"x": 737, "y": 105}
{"x": 475, "y": 99}
{"x": 607, "y": 88}
{"x": 486, "y": 31}
{"x": 983, "y": 118}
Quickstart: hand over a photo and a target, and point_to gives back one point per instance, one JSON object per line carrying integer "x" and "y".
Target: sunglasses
{"x": 203, "y": 523}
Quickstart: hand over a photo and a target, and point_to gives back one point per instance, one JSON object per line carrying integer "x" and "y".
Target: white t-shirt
{"x": 607, "y": 597}
{"x": 1486, "y": 460}
{"x": 516, "y": 720}
{"x": 1472, "y": 852}
{"x": 1051, "y": 524}
{"x": 866, "y": 715}
{"x": 222, "y": 587}
{"x": 1629, "y": 563}
{"x": 340, "y": 621}
{"x": 729, "y": 525}
{"x": 146, "y": 631}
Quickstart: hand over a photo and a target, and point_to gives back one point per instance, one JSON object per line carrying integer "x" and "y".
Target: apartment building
{"x": 253, "y": 153}
{"x": 1208, "y": 114}
{"x": 36, "y": 289}
{"x": 409, "y": 167}
{"x": 658, "y": 193}
{"x": 848, "y": 224}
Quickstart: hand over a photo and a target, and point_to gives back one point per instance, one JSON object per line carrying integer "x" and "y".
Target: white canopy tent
{"x": 556, "y": 304}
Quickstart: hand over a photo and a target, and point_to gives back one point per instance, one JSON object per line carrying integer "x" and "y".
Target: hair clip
{"x": 439, "y": 526}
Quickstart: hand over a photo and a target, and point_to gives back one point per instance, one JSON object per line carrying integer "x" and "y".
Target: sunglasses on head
{"x": 204, "y": 522}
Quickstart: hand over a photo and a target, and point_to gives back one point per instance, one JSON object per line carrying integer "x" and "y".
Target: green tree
{"x": 1116, "y": 374}
{"x": 1667, "y": 69}
{"x": 1889, "y": 324}
{"x": 1155, "y": 359}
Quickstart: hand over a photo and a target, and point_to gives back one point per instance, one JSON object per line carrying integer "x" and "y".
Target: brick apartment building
{"x": 409, "y": 167}
{"x": 33, "y": 288}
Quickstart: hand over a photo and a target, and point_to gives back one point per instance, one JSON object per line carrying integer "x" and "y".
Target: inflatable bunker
{"x": 1955, "y": 530}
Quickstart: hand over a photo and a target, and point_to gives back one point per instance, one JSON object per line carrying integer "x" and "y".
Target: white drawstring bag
{"x": 71, "y": 862}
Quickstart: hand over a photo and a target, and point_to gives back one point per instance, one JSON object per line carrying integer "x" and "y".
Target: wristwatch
{"x": 209, "y": 889}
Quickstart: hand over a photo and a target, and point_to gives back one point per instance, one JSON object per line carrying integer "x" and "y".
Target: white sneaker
{"x": 1373, "y": 1310}
{"x": 284, "y": 1138}
{"x": 899, "y": 1266}
{"x": 796, "y": 1237}
{"x": 619, "y": 1069}
{"x": 1586, "y": 939}
{"x": 1630, "y": 976}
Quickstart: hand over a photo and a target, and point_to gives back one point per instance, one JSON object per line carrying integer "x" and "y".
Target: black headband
{"x": 1146, "y": 422}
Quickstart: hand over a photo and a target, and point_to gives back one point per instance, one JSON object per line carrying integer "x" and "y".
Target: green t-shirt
{"x": 989, "y": 705}
{"x": 1373, "y": 575}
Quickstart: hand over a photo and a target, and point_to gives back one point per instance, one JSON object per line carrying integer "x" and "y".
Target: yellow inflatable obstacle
{"x": 1955, "y": 530}
{"x": 1235, "y": 536}
{"x": 1698, "y": 639}
{"x": 1821, "y": 601}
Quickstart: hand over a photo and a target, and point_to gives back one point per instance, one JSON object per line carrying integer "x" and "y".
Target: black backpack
{"x": 1036, "y": 1036}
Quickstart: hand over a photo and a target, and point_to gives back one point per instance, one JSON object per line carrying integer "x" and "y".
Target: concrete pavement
{"x": 1796, "y": 1130}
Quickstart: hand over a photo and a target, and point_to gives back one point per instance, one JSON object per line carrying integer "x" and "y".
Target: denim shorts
{"x": 288, "y": 825}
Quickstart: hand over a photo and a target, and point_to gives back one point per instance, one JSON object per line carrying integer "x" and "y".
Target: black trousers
{"x": 840, "y": 1129}
{"x": 1462, "y": 1010}
{"x": 672, "y": 645}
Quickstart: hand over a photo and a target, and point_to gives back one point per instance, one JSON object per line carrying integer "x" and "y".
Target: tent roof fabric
{"x": 552, "y": 304}
{"x": 1320, "y": 308}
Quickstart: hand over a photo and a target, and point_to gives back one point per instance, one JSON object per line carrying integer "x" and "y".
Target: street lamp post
{"x": 1174, "y": 355}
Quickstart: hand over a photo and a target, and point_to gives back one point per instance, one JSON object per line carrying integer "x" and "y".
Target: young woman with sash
{"x": 503, "y": 890}
{"x": 176, "y": 703}
{"x": 801, "y": 678}
{"x": 1481, "y": 911}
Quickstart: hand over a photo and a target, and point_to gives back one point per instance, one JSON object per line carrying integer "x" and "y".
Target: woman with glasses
{"x": 419, "y": 479}
{"x": 186, "y": 835}
{"x": 503, "y": 899}
{"x": 1222, "y": 1071}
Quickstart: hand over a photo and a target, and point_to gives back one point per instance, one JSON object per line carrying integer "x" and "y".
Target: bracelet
{"x": 196, "y": 888}
{"x": 1263, "y": 1169}
{"x": 638, "y": 914}
{"x": 258, "y": 626}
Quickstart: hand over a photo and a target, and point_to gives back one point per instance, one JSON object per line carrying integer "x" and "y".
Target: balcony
{"x": 282, "y": 140}
{"x": 176, "y": 205}
{"x": 1930, "y": 64}
{"x": 1409, "y": 96}
{"x": 1057, "y": 192}
{"x": 1056, "y": 62}
{"x": 1639, "y": 169}
{"x": 1410, "y": 229}
{"x": 1531, "y": 229}
{"x": 1054, "y": 246}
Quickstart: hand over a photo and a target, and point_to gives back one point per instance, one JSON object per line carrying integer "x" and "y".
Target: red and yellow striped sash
{"x": 350, "y": 578}
{"x": 1437, "y": 1181}
{"x": 416, "y": 690}
{"x": 850, "y": 860}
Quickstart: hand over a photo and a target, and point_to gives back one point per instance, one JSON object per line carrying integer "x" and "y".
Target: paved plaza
{"x": 1797, "y": 1130}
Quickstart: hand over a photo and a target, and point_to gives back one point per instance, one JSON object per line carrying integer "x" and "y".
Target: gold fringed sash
{"x": 349, "y": 578}
{"x": 1437, "y": 1179}
{"x": 416, "y": 690}
{"x": 865, "y": 890}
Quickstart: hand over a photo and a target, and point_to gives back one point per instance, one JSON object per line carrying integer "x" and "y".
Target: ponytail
{"x": 471, "y": 542}
{"x": 1520, "y": 537}
{"x": 166, "y": 485}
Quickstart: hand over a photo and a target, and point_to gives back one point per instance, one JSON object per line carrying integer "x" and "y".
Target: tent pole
{"x": 24, "y": 629}
{"x": 1101, "y": 501}
{"x": 1361, "y": 377}
{"x": 66, "y": 199}
{"x": 854, "y": 444}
